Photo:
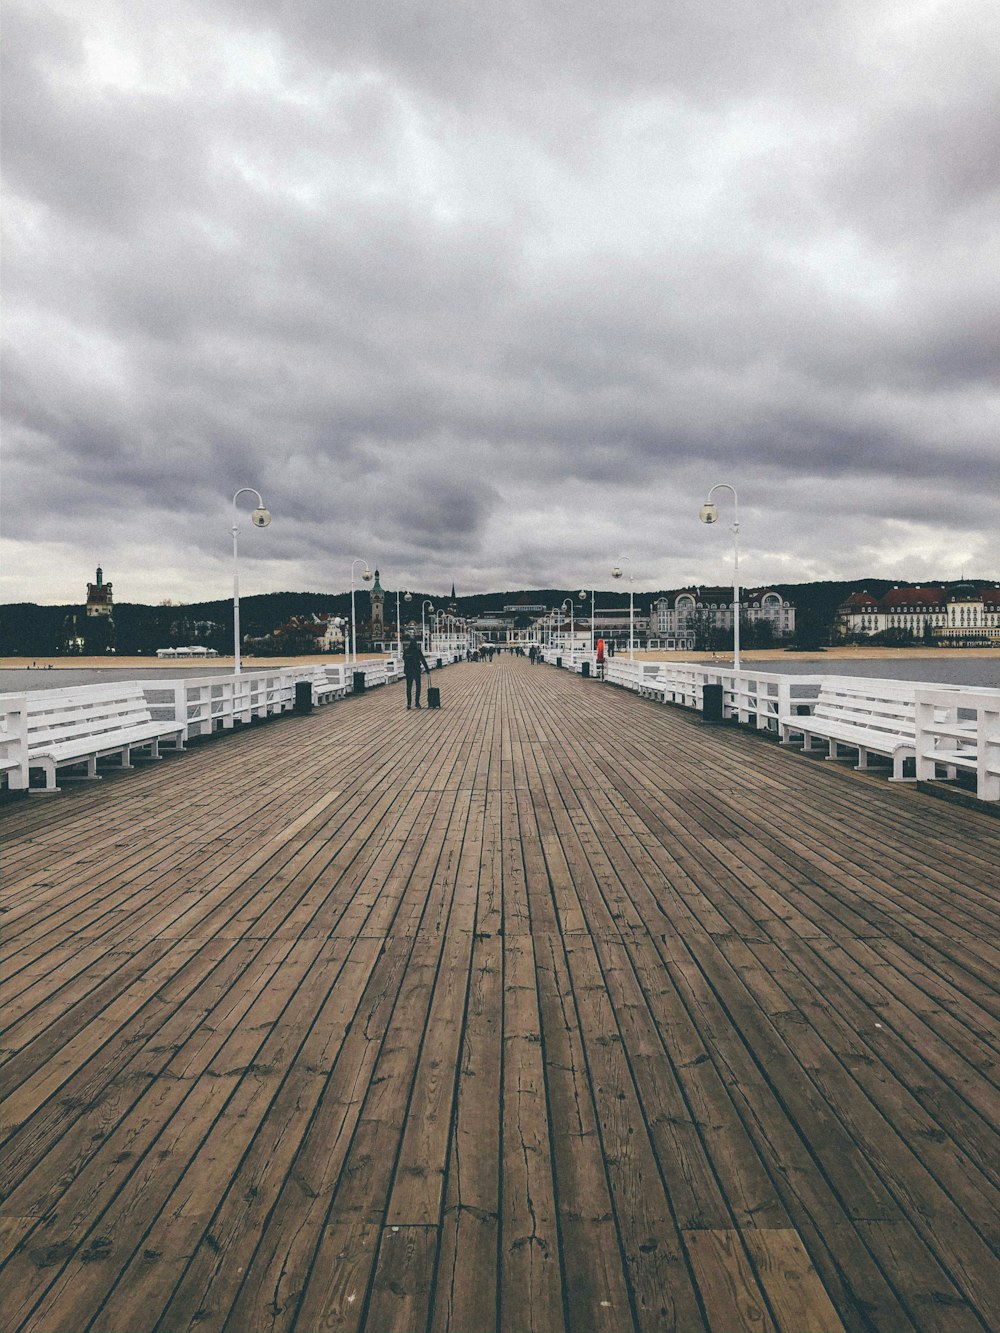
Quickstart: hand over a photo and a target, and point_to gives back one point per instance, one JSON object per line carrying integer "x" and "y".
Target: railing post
{"x": 988, "y": 742}
{"x": 179, "y": 691}
{"x": 14, "y": 733}
{"x": 923, "y": 739}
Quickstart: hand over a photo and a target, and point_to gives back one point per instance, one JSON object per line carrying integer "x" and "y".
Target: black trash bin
{"x": 558, "y": 661}
{"x": 584, "y": 668}
{"x": 711, "y": 703}
{"x": 359, "y": 682}
{"x": 303, "y": 696}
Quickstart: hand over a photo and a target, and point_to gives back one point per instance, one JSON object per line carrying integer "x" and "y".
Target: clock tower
{"x": 378, "y": 611}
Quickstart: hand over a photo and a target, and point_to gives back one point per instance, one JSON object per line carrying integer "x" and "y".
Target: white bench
{"x": 327, "y": 683}
{"x": 79, "y": 726}
{"x": 869, "y": 716}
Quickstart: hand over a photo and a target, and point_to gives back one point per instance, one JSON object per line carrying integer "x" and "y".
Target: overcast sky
{"x": 490, "y": 292}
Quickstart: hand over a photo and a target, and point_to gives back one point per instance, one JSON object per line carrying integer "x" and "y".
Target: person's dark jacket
{"x": 413, "y": 659}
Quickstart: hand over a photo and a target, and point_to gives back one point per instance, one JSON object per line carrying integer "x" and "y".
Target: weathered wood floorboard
{"x": 553, "y": 1010}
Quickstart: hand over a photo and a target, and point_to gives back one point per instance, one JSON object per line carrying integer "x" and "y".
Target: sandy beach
{"x": 855, "y": 651}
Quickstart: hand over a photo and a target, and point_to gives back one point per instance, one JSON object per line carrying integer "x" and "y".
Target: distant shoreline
{"x": 202, "y": 665}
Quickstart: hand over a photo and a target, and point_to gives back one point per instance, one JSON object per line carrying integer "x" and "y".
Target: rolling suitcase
{"x": 433, "y": 697}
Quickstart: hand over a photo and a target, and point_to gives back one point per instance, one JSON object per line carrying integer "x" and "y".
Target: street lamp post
{"x": 427, "y": 605}
{"x": 582, "y": 594}
{"x": 616, "y": 573}
{"x": 367, "y": 576}
{"x": 399, "y": 624}
{"x": 709, "y": 513}
{"x": 260, "y": 519}
{"x": 572, "y": 632}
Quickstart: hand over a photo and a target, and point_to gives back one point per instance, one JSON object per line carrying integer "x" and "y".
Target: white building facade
{"x": 681, "y": 614}
{"x": 957, "y": 615}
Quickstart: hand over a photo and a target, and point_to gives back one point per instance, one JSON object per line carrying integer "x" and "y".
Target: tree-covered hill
{"x": 28, "y": 630}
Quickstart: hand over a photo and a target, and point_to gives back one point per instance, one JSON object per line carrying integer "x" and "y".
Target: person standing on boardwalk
{"x": 413, "y": 662}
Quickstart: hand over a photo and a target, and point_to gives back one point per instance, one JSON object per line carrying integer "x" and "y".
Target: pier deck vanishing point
{"x": 555, "y": 1009}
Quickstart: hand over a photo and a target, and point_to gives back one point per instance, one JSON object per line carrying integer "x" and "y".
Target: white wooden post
{"x": 14, "y": 740}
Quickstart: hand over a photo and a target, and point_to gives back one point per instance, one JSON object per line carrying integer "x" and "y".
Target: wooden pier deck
{"x": 555, "y": 1010}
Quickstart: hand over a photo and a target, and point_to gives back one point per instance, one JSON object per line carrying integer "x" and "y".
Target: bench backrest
{"x": 55, "y": 717}
{"x": 875, "y": 706}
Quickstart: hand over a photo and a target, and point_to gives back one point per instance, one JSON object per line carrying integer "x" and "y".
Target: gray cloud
{"x": 492, "y": 292}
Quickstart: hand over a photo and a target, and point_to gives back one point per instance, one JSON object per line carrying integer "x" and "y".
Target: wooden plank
{"x": 596, "y": 1283}
{"x": 530, "y": 1281}
{"x": 404, "y": 1274}
{"x": 727, "y": 1284}
{"x": 790, "y": 1282}
{"x": 466, "y": 1293}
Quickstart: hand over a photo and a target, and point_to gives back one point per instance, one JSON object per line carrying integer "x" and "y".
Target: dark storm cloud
{"x": 488, "y": 292}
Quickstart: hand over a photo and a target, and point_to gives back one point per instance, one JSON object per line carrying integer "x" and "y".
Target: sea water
{"x": 952, "y": 670}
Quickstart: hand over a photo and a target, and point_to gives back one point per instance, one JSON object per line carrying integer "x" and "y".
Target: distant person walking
{"x": 414, "y": 662}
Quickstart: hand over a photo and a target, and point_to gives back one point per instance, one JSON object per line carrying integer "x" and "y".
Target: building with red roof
{"x": 959, "y": 615}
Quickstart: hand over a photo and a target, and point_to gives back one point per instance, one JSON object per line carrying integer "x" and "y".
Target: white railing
{"x": 758, "y": 697}
{"x": 376, "y": 671}
{"x": 570, "y": 661}
{"x": 631, "y": 675}
{"x": 206, "y": 703}
{"x": 203, "y": 704}
{"x": 959, "y": 728}
{"x": 762, "y": 697}
{"x": 200, "y": 705}
{"x": 956, "y": 726}
{"x": 449, "y": 646}
{"x": 14, "y": 740}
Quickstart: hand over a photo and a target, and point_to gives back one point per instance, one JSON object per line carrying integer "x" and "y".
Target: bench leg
{"x": 833, "y": 752}
{"x": 126, "y": 756}
{"x": 898, "y": 760}
{"x": 91, "y": 774}
{"x": 50, "y": 780}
